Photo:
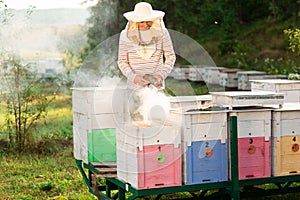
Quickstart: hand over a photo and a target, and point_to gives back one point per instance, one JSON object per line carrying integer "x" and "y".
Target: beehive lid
{"x": 214, "y": 68}
{"x": 289, "y": 107}
{"x": 252, "y": 72}
{"x": 179, "y": 99}
{"x": 209, "y": 109}
{"x": 276, "y": 81}
{"x": 246, "y": 98}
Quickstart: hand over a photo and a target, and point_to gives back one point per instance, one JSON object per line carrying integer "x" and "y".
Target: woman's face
{"x": 145, "y": 25}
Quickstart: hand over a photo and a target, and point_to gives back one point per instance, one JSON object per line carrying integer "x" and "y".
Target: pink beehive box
{"x": 254, "y": 132}
{"x": 149, "y": 157}
{"x": 159, "y": 166}
{"x": 153, "y": 167}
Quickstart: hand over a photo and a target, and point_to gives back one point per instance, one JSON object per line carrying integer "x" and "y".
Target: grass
{"x": 184, "y": 88}
{"x": 53, "y": 175}
{"x": 36, "y": 176}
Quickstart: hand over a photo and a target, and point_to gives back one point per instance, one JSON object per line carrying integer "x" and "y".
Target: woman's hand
{"x": 155, "y": 80}
{"x": 159, "y": 80}
{"x": 138, "y": 80}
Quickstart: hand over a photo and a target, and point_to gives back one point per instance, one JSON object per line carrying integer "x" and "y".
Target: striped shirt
{"x": 131, "y": 63}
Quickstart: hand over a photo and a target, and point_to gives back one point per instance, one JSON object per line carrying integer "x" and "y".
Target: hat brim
{"x": 130, "y": 16}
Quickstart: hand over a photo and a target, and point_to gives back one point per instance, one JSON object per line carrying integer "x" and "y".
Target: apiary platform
{"x": 115, "y": 188}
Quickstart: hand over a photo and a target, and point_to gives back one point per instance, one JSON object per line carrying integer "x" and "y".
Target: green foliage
{"x": 218, "y": 21}
{"x": 294, "y": 77}
{"x": 279, "y": 66}
{"x": 294, "y": 39}
{"x": 103, "y": 22}
{"x": 26, "y": 100}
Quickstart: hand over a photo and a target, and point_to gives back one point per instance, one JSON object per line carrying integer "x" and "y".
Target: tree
{"x": 103, "y": 22}
{"x": 26, "y": 99}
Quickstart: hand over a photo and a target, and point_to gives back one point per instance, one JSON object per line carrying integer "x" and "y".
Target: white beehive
{"x": 247, "y": 98}
{"x": 290, "y": 88}
{"x": 254, "y": 142}
{"x": 253, "y": 122}
{"x": 139, "y": 134}
{"x": 97, "y": 112}
{"x": 181, "y": 72}
{"x": 228, "y": 78}
{"x": 201, "y": 125}
{"x": 244, "y": 78}
{"x": 286, "y": 140}
{"x": 197, "y": 73}
{"x": 274, "y": 76}
{"x": 212, "y": 75}
{"x": 189, "y": 102}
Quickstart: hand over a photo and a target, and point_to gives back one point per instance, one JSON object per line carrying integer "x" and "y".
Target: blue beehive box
{"x": 204, "y": 144}
{"x": 206, "y": 161}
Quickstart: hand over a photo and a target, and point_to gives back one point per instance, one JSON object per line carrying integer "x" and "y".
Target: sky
{"x": 47, "y": 4}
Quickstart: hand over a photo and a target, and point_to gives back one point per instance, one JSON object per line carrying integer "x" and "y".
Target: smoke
{"x": 154, "y": 104}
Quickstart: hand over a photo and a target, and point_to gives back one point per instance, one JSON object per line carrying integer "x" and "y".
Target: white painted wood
{"x": 197, "y": 73}
{"x": 201, "y": 125}
{"x": 247, "y": 98}
{"x": 212, "y": 75}
{"x": 286, "y": 120}
{"x": 228, "y": 78}
{"x": 185, "y": 103}
{"x": 253, "y": 123}
{"x": 153, "y": 135}
{"x": 290, "y": 88}
{"x": 244, "y": 78}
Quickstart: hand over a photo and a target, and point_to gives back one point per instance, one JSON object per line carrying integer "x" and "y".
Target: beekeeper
{"x": 146, "y": 54}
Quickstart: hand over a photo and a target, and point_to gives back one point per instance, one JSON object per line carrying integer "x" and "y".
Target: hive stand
{"x": 234, "y": 188}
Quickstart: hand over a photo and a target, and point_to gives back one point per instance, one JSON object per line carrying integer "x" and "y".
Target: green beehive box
{"x": 102, "y": 145}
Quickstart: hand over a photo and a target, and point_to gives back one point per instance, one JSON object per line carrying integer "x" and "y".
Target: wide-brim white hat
{"x": 143, "y": 12}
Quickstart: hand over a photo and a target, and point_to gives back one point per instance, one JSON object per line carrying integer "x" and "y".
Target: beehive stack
{"x": 244, "y": 78}
{"x": 197, "y": 73}
{"x": 149, "y": 156}
{"x": 228, "y": 78}
{"x": 286, "y": 140}
{"x": 212, "y": 75}
{"x": 253, "y": 112}
{"x": 204, "y": 145}
{"x": 97, "y": 111}
{"x": 254, "y": 142}
{"x": 290, "y": 88}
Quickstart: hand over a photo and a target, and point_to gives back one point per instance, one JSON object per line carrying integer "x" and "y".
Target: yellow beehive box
{"x": 286, "y": 140}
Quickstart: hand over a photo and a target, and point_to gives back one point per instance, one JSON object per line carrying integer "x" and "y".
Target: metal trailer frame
{"x": 234, "y": 188}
